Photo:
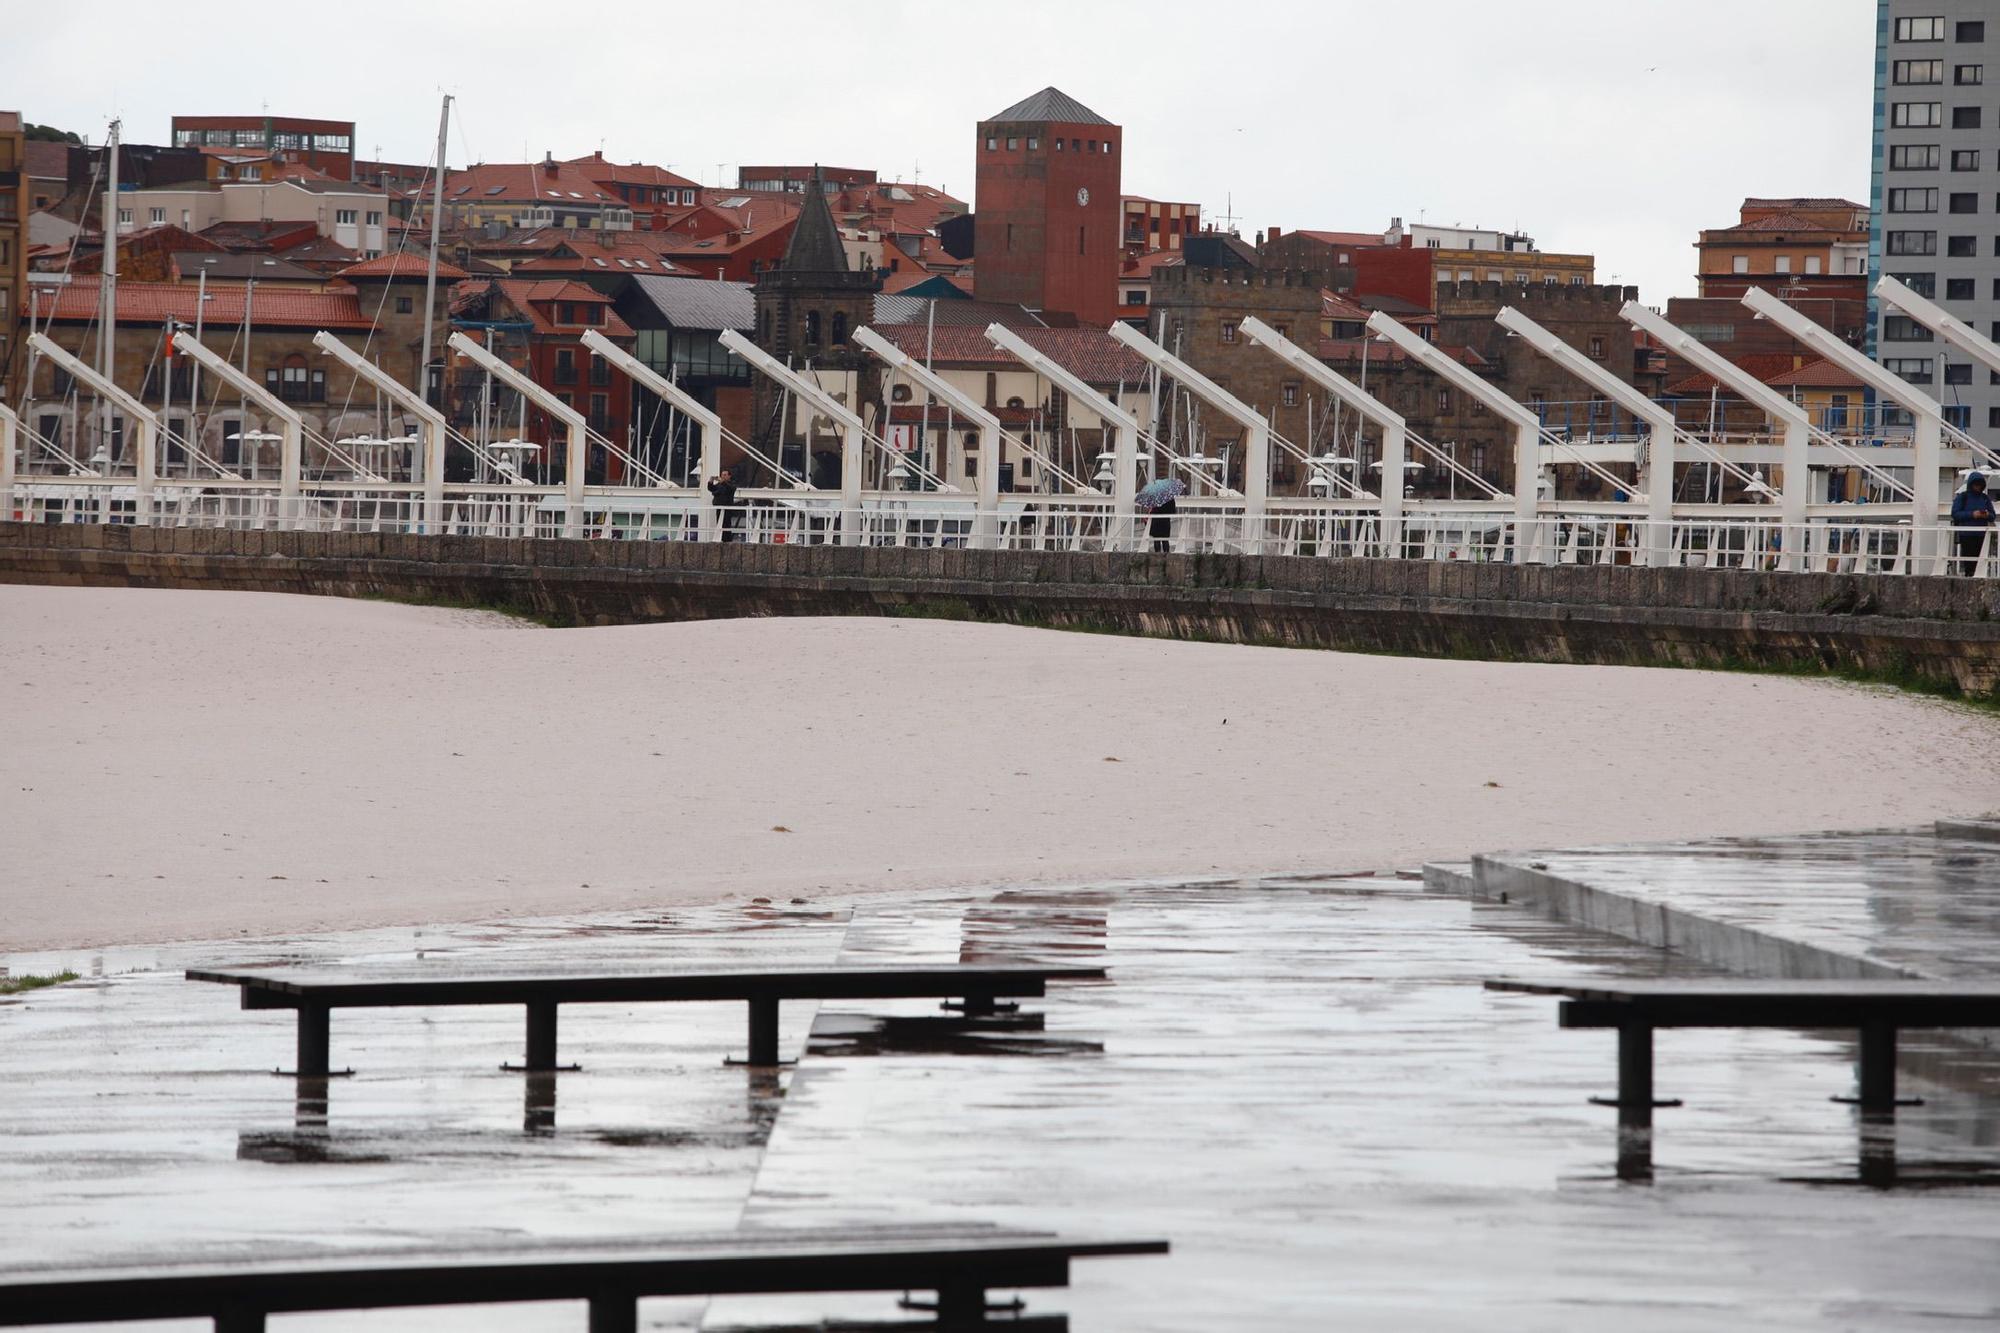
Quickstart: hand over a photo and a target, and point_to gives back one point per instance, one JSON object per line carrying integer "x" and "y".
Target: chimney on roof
{"x": 549, "y": 163}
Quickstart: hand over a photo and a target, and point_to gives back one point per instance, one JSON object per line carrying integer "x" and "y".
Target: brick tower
{"x": 1047, "y": 210}
{"x": 808, "y": 307}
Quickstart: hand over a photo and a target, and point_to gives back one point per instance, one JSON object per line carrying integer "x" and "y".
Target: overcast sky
{"x": 1615, "y": 127}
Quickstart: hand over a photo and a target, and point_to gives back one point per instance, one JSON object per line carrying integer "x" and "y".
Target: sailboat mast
{"x": 107, "y": 282}
{"x": 431, "y": 273}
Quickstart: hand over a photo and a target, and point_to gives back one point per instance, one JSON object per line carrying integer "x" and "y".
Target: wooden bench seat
{"x": 960, "y": 1263}
{"x": 315, "y": 991}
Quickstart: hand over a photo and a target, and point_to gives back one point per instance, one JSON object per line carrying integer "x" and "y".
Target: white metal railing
{"x": 1836, "y": 538}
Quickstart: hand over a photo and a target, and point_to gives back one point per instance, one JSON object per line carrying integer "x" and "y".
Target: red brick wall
{"x": 1034, "y": 191}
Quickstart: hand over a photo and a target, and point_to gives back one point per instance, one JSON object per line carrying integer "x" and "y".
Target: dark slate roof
{"x": 815, "y": 245}
{"x": 903, "y": 308}
{"x": 237, "y": 267}
{"x": 699, "y": 303}
{"x": 1051, "y": 104}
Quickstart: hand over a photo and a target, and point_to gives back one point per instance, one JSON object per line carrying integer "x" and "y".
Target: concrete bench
{"x": 961, "y": 1264}
{"x": 316, "y": 991}
{"x": 1878, "y": 1010}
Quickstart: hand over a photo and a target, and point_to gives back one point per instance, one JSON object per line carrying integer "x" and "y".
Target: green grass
{"x": 15, "y": 985}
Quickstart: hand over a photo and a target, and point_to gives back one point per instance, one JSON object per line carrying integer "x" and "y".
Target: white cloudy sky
{"x": 1617, "y": 127}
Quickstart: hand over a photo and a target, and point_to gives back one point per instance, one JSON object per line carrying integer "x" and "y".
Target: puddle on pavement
{"x": 1300, "y": 1083}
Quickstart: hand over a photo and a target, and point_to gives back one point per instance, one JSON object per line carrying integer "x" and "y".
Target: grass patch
{"x": 16, "y": 985}
{"x": 513, "y": 610}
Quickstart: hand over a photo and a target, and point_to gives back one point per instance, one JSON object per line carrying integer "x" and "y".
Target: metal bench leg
{"x": 313, "y": 1039}
{"x": 1878, "y": 1069}
{"x": 763, "y": 1032}
{"x": 614, "y": 1314}
{"x": 541, "y": 1036}
{"x": 1635, "y": 1076}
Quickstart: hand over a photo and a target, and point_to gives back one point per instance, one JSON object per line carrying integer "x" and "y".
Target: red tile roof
{"x": 1814, "y": 204}
{"x": 1765, "y": 366}
{"x": 521, "y": 182}
{"x": 604, "y": 172}
{"x": 1092, "y": 354}
{"x": 156, "y": 302}
{"x": 403, "y": 264}
{"x": 1819, "y": 375}
{"x": 1360, "y": 240}
{"x": 1332, "y": 305}
{"x": 635, "y": 252}
{"x": 536, "y": 299}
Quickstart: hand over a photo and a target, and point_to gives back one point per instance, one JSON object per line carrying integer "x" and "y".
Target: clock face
{"x": 1082, "y": 198}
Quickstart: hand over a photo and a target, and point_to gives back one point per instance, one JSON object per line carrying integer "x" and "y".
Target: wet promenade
{"x": 1920, "y": 902}
{"x": 1300, "y": 1083}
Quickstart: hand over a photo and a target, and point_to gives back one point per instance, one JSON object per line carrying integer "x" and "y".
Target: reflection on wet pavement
{"x": 1300, "y": 1083}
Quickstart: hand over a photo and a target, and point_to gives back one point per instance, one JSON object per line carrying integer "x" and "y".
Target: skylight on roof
{"x": 574, "y": 195}
{"x": 642, "y": 263}
{"x": 495, "y": 189}
{"x": 597, "y": 260}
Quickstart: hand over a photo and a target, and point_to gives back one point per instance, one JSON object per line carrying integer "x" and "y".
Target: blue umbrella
{"x": 1156, "y": 493}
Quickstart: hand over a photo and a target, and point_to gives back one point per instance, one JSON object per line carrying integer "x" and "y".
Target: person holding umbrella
{"x": 1971, "y": 520}
{"x": 1157, "y": 499}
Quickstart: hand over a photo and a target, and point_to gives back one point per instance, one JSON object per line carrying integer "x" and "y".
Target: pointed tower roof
{"x": 815, "y": 245}
{"x": 1051, "y": 104}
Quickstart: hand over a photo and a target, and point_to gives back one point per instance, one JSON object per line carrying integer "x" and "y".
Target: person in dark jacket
{"x": 1971, "y": 520}
{"x": 1162, "y": 526}
{"x": 723, "y": 491}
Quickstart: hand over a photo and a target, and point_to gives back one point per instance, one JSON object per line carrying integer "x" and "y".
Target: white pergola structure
{"x": 1927, "y": 438}
{"x": 852, "y": 432}
{"x": 985, "y": 523}
{"x": 1656, "y": 474}
{"x": 1395, "y": 430}
{"x": 571, "y": 420}
{"x": 1950, "y": 328}
{"x": 145, "y": 457}
{"x": 1786, "y": 417}
{"x": 1256, "y": 428}
{"x": 10, "y": 434}
{"x": 1123, "y": 426}
{"x": 291, "y": 426}
{"x": 1527, "y": 432}
{"x": 430, "y": 421}
{"x": 710, "y": 464}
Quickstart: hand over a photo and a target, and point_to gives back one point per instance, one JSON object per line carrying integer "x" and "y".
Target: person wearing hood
{"x": 1971, "y": 520}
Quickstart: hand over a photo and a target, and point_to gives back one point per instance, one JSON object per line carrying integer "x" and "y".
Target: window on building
{"x": 1914, "y": 157}
{"x": 1903, "y": 329}
{"x": 600, "y": 370}
{"x": 1965, "y": 159}
{"x": 1965, "y": 203}
{"x": 1912, "y": 242}
{"x": 565, "y": 365}
{"x": 1079, "y": 240}
{"x": 1057, "y": 141}
{"x": 346, "y": 217}
{"x": 1013, "y": 145}
{"x": 1973, "y": 31}
{"x": 1740, "y": 264}
{"x": 374, "y": 218}
{"x": 1913, "y": 201}
{"x": 1916, "y": 370}
{"x": 839, "y": 329}
{"x": 1916, "y": 115}
{"x": 124, "y": 217}
{"x": 1966, "y": 76}
{"x": 1782, "y": 264}
{"x": 1229, "y": 327}
{"x": 1965, "y": 117}
{"x": 1961, "y": 247}
{"x": 1958, "y": 415}
{"x": 1993, "y": 418}
{"x": 1917, "y": 71}
{"x": 1957, "y": 374}
{"x": 1444, "y": 402}
{"x": 812, "y": 328}
{"x": 1920, "y": 30}
{"x": 406, "y": 305}
{"x": 1812, "y": 264}
{"x": 1596, "y": 348}
{"x": 1010, "y": 236}
{"x": 1288, "y": 393}
{"x": 1033, "y": 143}
{"x": 991, "y": 143}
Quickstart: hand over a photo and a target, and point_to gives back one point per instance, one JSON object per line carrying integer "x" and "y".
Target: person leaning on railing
{"x": 723, "y": 491}
{"x": 1971, "y": 520}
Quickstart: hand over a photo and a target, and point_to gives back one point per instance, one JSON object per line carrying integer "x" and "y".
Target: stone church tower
{"x": 808, "y": 307}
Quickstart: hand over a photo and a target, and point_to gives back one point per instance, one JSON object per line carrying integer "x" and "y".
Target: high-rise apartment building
{"x": 1935, "y": 193}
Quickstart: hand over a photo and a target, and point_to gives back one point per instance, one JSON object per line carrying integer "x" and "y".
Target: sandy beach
{"x": 187, "y": 765}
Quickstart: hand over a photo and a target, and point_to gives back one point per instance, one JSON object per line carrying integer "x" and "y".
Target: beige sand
{"x": 182, "y": 765}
